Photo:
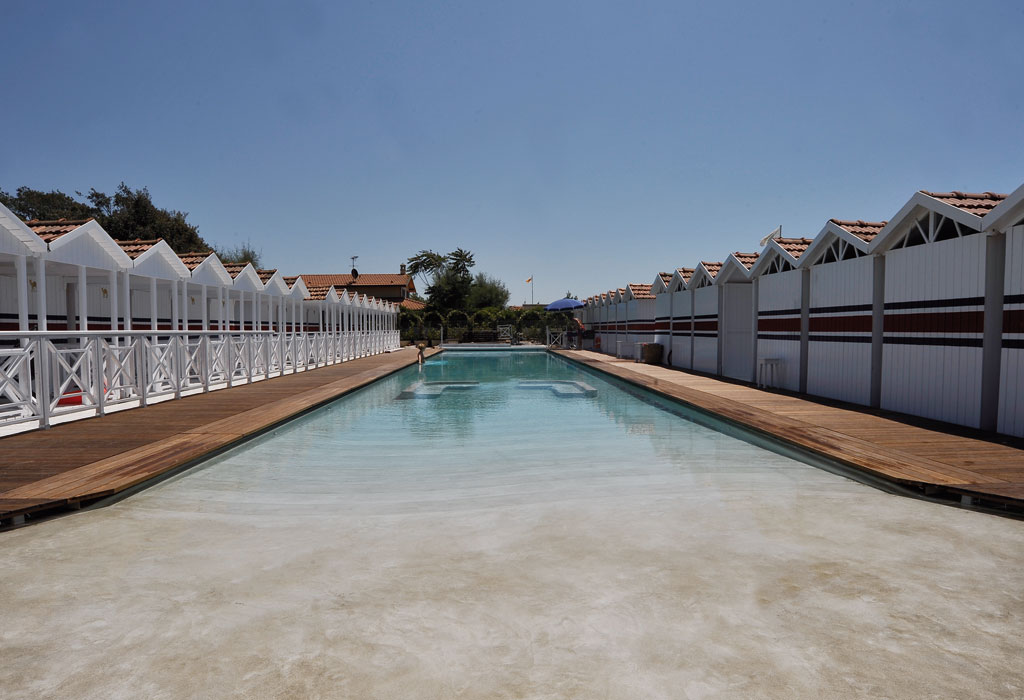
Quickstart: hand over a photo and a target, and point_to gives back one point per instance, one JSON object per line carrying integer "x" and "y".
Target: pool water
{"x": 510, "y": 525}
{"x": 472, "y": 429}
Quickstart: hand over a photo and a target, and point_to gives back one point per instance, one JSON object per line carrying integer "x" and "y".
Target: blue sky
{"x": 589, "y": 144}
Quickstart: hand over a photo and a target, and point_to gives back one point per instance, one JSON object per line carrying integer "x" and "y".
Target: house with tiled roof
{"x": 22, "y": 251}
{"x": 387, "y": 286}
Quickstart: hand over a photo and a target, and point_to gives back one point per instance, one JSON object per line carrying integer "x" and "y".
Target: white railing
{"x": 53, "y": 377}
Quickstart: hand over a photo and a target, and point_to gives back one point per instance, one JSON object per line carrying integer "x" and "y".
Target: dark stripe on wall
{"x": 1015, "y": 343}
{"x": 849, "y": 308}
{"x": 1013, "y": 298}
{"x": 705, "y": 326}
{"x": 705, "y": 335}
{"x": 840, "y": 338}
{"x": 948, "y": 342}
{"x": 935, "y": 303}
{"x": 777, "y": 336}
{"x": 779, "y": 324}
{"x": 1013, "y": 321}
{"x": 840, "y": 324}
{"x": 705, "y": 316}
{"x": 779, "y": 312}
{"x": 947, "y": 322}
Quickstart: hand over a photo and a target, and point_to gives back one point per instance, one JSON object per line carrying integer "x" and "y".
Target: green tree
{"x": 126, "y": 215}
{"x": 486, "y": 291}
{"x": 433, "y": 319}
{"x": 27, "y": 204}
{"x": 242, "y": 253}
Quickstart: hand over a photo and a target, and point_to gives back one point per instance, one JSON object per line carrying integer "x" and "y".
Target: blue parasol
{"x": 566, "y": 304}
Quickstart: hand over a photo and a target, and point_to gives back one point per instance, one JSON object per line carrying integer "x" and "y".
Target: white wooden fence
{"x": 53, "y": 377}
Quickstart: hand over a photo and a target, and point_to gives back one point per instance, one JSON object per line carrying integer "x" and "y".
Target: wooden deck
{"x": 94, "y": 458}
{"x": 933, "y": 458}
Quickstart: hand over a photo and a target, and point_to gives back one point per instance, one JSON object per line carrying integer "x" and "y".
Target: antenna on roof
{"x": 355, "y": 272}
{"x": 777, "y": 233}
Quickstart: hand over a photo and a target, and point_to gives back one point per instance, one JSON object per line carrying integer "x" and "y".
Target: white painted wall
{"x": 941, "y": 382}
{"x": 840, "y": 370}
{"x": 682, "y": 302}
{"x": 737, "y": 331}
{"x": 780, "y": 292}
{"x": 705, "y": 349}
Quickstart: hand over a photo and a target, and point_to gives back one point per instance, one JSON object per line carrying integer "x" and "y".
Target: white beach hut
{"x": 780, "y": 293}
{"x": 705, "y": 317}
{"x": 935, "y": 272}
{"x": 158, "y": 284}
{"x": 83, "y": 278}
{"x": 736, "y": 337}
{"x": 208, "y": 289}
{"x": 20, "y": 295}
{"x": 639, "y": 304}
{"x": 844, "y": 282}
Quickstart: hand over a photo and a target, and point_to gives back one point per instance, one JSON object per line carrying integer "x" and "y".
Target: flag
{"x": 529, "y": 280}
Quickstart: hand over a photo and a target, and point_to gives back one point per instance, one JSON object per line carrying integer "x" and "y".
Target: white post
{"x": 112, "y": 293}
{"x": 152, "y": 304}
{"x": 83, "y": 300}
{"x": 126, "y": 290}
{"x": 174, "y": 305}
{"x": 41, "y": 320}
{"x": 21, "y": 270}
{"x": 205, "y": 303}
{"x": 220, "y": 308}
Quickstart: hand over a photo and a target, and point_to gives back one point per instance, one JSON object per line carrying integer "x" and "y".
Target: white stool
{"x": 766, "y": 368}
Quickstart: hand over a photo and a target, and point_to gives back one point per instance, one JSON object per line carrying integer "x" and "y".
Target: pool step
{"x": 432, "y": 390}
{"x": 562, "y": 388}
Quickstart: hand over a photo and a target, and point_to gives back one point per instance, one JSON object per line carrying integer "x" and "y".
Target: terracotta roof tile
{"x": 746, "y": 259}
{"x": 686, "y": 273}
{"x": 666, "y": 277}
{"x": 137, "y": 247}
{"x": 413, "y": 304}
{"x": 794, "y": 246}
{"x": 977, "y": 203}
{"x": 365, "y": 280}
{"x": 194, "y": 260}
{"x": 711, "y": 267}
{"x": 265, "y": 275}
{"x": 53, "y": 229}
{"x": 640, "y": 291}
{"x": 290, "y": 281}
{"x": 864, "y": 230}
{"x": 317, "y": 292}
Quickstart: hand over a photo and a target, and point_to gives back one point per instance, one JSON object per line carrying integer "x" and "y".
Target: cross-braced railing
{"x": 51, "y": 377}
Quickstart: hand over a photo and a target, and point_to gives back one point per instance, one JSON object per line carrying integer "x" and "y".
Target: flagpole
{"x": 531, "y": 291}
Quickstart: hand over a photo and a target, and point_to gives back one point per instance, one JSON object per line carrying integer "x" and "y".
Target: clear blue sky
{"x": 590, "y": 144}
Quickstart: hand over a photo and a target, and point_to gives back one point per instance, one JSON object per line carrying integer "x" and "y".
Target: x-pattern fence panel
{"x": 76, "y": 375}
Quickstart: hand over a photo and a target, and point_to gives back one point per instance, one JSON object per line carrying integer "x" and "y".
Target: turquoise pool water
{"x": 469, "y": 429}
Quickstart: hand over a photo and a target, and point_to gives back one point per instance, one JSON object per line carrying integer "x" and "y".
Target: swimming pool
{"x": 509, "y": 524}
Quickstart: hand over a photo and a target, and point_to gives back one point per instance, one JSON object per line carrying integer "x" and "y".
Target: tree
{"x": 486, "y": 291}
{"x": 433, "y": 319}
{"x": 126, "y": 215}
{"x": 27, "y": 204}
{"x": 242, "y": 253}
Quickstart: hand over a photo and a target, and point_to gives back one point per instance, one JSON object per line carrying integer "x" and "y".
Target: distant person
{"x": 421, "y": 347}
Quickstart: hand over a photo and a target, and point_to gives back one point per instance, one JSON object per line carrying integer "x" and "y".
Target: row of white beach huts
{"x": 922, "y": 314}
{"x": 71, "y": 275}
{"x": 89, "y": 323}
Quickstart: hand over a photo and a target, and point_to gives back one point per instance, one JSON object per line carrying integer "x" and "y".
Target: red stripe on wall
{"x": 840, "y": 324}
{"x": 779, "y": 324}
{"x": 940, "y": 322}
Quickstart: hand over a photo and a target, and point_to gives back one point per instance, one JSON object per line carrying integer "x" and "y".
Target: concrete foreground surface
{"x": 736, "y": 587}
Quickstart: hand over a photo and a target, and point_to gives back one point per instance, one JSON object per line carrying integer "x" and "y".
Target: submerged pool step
{"x": 432, "y": 390}
{"x": 562, "y": 388}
